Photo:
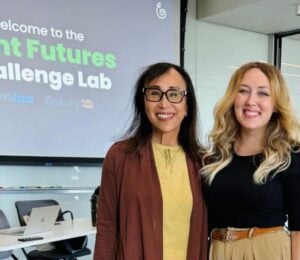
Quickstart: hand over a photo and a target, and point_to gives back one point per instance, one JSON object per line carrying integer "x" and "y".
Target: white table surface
{"x": 62, "y": 230}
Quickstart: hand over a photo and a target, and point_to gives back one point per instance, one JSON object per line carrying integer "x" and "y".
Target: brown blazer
{"x": 129, "y": 225}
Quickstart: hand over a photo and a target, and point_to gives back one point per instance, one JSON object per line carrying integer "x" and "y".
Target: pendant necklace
{"x": 168, "y": 154}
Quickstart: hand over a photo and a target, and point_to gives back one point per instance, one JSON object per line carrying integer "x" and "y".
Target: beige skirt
{"x": 269, "y": 246}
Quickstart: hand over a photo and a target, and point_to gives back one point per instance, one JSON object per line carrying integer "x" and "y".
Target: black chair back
{"x": 94, "y": 205}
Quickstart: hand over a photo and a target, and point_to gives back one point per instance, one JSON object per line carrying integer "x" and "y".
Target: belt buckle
{"x": 228, "y": 236}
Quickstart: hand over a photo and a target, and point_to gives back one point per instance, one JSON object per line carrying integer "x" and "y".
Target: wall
{"x": 212, "y": 54}
{"x": 212, "y": 7}
{"x": 290, "y": 68}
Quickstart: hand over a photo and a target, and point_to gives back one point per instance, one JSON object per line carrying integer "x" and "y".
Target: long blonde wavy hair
{"x": 282, "y": 134}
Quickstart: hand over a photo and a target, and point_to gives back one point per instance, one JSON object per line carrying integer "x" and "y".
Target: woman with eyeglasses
{"x": 150, "y": 203}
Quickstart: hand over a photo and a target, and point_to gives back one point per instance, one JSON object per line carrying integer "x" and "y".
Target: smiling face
{"x": 253, "y": 104}
{"x": 166, "y": 117}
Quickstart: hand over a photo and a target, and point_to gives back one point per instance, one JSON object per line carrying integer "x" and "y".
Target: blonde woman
{"x": 252, "y": 170}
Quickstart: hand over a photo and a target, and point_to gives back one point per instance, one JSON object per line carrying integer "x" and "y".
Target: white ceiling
{"x": 262, "y": 16}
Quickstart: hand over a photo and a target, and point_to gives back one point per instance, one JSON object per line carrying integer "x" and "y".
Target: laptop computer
{"x": 41, "y": 219}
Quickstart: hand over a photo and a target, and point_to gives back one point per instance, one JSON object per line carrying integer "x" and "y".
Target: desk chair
{"x": 94, "y": 206}
{"x": 62, "y": 250}
{"x": 4, "y": 224}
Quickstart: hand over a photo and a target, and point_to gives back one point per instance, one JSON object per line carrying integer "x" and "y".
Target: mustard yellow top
{"x": 177, "y": 199}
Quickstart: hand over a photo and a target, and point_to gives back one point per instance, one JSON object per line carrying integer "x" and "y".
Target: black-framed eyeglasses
{"x": 173, "y": 95}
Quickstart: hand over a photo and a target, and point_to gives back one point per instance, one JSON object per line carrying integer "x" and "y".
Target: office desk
{"x": 63, "y": 230}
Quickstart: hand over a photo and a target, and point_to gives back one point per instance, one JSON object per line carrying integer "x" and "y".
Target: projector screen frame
{"x": 85, "y": 161}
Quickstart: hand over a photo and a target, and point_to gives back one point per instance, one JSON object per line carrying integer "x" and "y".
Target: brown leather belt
{"x": 231, "y": 234}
